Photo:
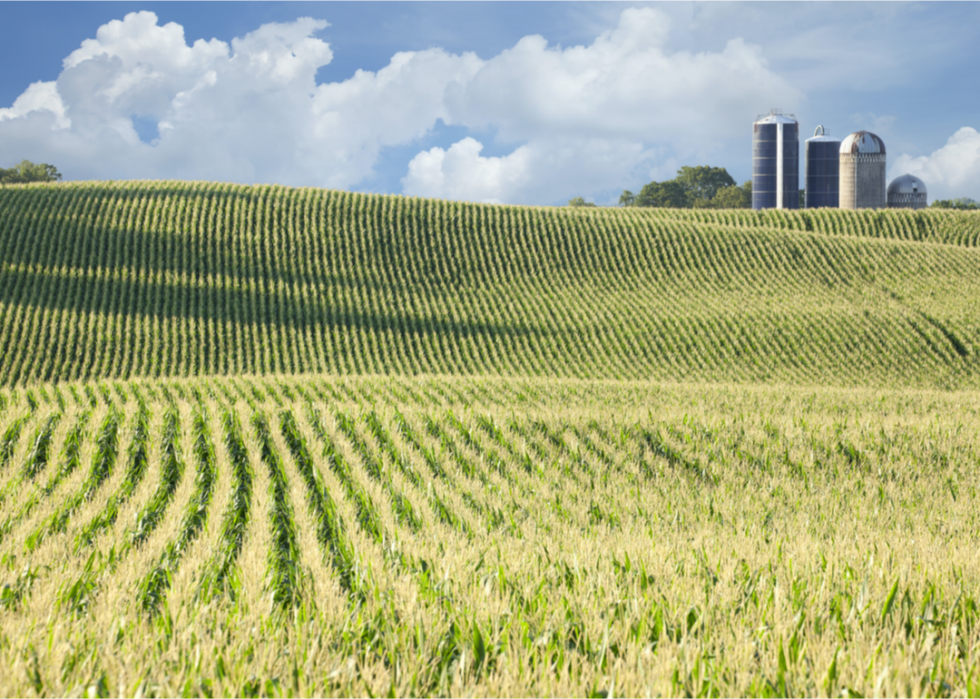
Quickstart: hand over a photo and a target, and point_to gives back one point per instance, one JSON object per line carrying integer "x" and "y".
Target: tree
{"x": 698, "y": 187}
{"x": 579, "y": 201}
{"x": 26, "y": 171}
{"x": 703, "y": 182}
{"x": 733, "y": 197}
{"x": 670, "y": 194}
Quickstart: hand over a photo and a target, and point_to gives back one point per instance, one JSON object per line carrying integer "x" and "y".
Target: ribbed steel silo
{"x": 821, "y": 157}
{"x": 776, "y": 162}
{"x": 862, "y": 172}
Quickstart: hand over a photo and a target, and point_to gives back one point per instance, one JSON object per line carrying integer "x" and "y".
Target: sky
{"x": 512, "y": 102}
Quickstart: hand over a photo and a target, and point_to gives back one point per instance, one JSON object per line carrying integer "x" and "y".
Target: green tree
{"x": 26, "y": 171}
{"x": 670, "y": 194}
{"x": 579, "y": 201}
{"x": 703, "y": 182}
{"x": 733, "y": 197}
{"x": 627, "y": 198}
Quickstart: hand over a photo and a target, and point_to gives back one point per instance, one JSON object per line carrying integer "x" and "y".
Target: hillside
{"x": 152, "y": 279}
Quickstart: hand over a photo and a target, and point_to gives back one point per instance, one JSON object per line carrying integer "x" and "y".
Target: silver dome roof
{"x": 862, "y": 142}
{"x": 776, "y": 116}
{"x": 907, "y": 184}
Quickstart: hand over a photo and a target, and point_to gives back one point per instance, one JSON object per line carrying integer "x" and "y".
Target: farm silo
{"x": 821, "y": 158}
{"x": 775, "y": 162}
{"x": 907, "y": 192}
{"x": 862, "y": 172}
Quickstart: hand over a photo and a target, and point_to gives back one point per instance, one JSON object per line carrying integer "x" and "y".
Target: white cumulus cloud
{"x": 250, "y": 111}
{"x": 39, "y": 97}
{"x": 624, "y": 85}
{"x": 597, "y": 117}
{"x": 139, "y": 101}
{"x": 951, "y": 172}
{"x": 459, "y": 171}
{"x": 544, "y": 170}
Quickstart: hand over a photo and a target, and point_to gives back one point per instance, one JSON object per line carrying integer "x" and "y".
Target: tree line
{"x": 700, "y": 187}
{"x": 705, "y": 187}
{"x": 962, "y": 203}
{"x": 25, "y": 171}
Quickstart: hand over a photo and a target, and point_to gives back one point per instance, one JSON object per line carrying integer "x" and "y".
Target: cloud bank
{"x": 138, "y": 101}
{"x": 949, "y": 172}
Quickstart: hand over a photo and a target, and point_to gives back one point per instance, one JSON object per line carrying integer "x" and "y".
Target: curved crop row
{"x": 172, "y": 468}
{"x": 154, "y": 585}
{"x": 284, "y": 556}
{"x": 137, "y": 460}
{"x": 235, "y": 519}
{"x": 329, "y": 525}
{"x": 404, "y": 511}
{"x": 103, "y": 461}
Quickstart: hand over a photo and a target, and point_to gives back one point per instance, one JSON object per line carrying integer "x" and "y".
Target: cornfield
{"x": 487, "y": 537}
{"x": 261, "y": 441}
{"x": 161, "y": 279}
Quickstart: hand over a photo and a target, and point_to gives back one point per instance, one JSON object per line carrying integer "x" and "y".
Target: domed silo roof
{"x": 907, "y": 184}
{"x": 776, "y": 117}
{"x": 862, "y": 142}
{"x": 907, "y": 192}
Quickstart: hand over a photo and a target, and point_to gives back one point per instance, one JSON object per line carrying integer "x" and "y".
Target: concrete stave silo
{"x": 907, "y": 192}
{"x": 862, "y": 172}
{"x": 822, "y": 170}
{"x": 775, "y": 162}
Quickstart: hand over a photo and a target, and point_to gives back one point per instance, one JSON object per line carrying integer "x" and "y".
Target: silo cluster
{"x": 848, "y": 174}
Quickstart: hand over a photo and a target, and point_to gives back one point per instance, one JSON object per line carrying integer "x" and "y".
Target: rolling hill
{"x": 259, "y": 441}
{"x": 157, "y": 279}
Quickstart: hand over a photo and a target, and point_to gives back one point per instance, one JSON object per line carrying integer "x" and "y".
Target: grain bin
{"x": 862, "y": 172}
{"x": 821, "y": 157}
{"x": 907, "y": 192}
{"x": 775, "y": 162}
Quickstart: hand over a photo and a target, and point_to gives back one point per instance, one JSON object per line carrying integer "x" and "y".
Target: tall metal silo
{"x": 776, "y": 162}
{"x": 907, "y": 192}
{"x": 822, "y": 167}
{"x": 862, "y": 172}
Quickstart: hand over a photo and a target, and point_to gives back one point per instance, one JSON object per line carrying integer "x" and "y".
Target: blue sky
{"x": 519, "y": 102}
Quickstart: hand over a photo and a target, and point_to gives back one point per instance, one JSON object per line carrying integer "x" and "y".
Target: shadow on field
{"x": 251, "y": 234}
{"x": 287, "y": 308}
